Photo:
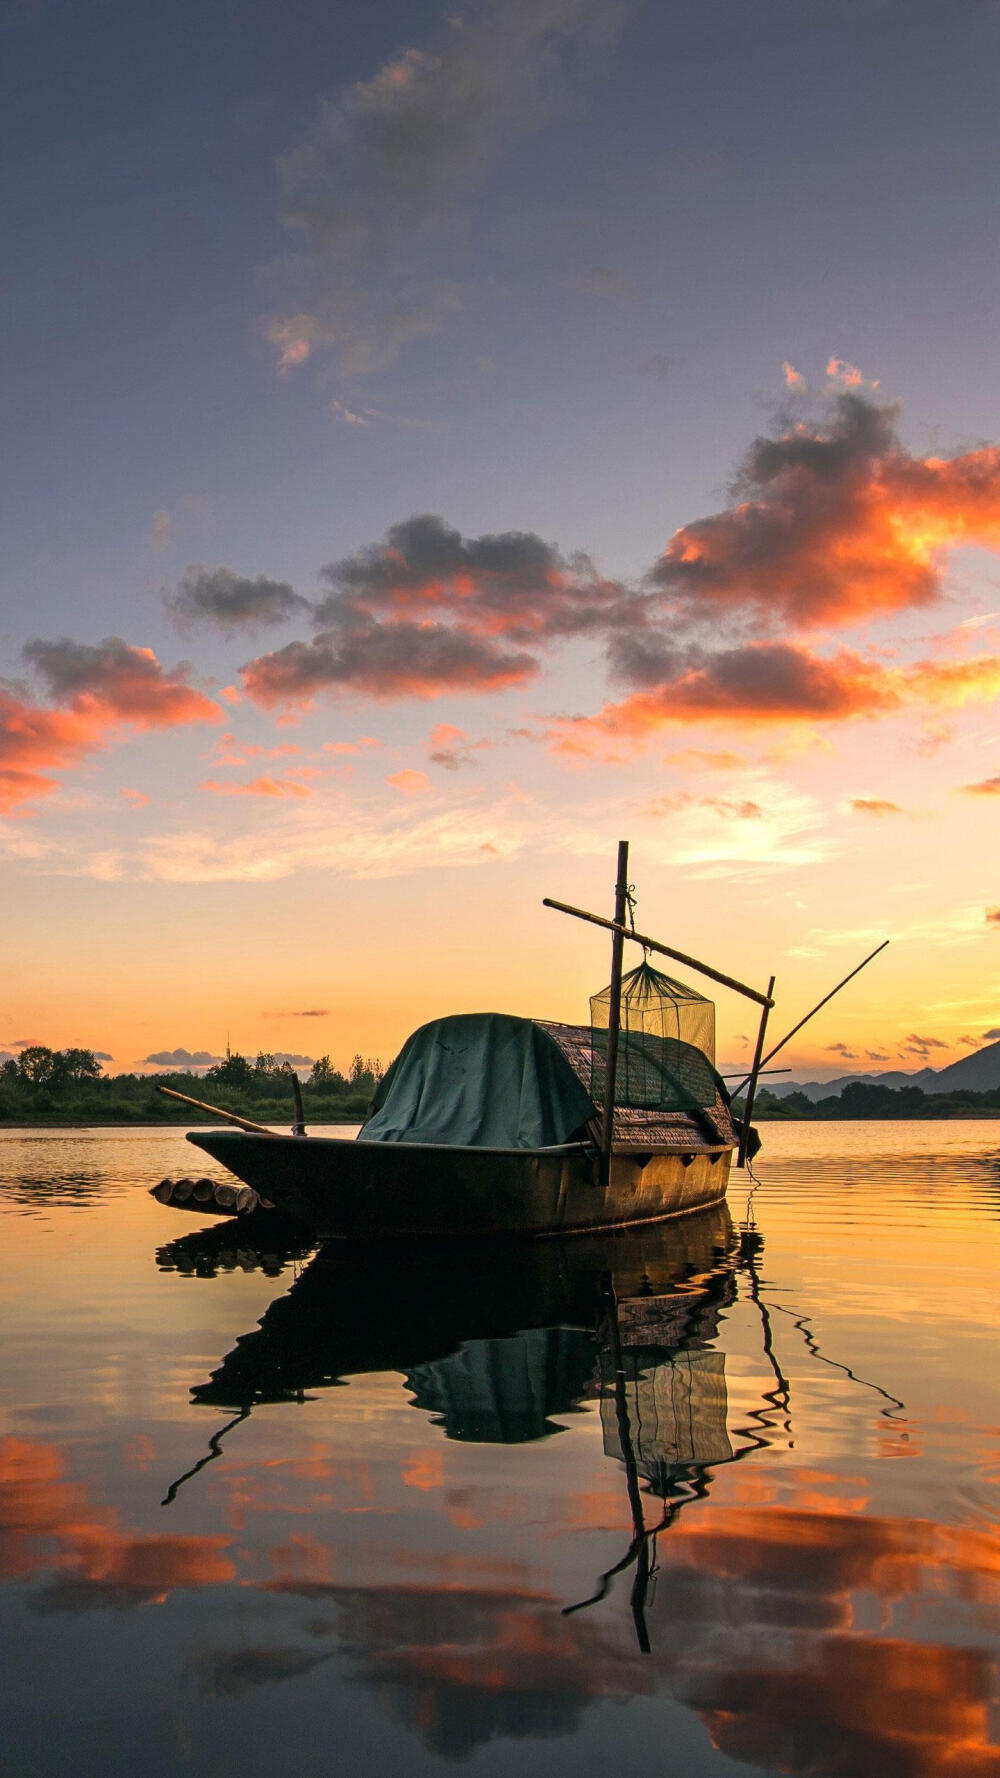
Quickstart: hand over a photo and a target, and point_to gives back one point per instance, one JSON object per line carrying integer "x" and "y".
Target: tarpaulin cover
{"x": 479, "y": 1080}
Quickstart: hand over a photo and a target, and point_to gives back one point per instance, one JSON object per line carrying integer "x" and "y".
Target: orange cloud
{"x": 834, "y": 524}
{"x": 985, "y": 787}
{"x": 764, "y": 683}
{"x": 276, "y": 787}
{"x": 46, "y": 1523}
{"x": 848, "y": 374}
{"x": 411, "y": 783}
{"x": 104, "y": 689}
{"x": 874, "y": 805}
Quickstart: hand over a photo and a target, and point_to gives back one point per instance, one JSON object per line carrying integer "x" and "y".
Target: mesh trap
{"x": 666, "y": 1044}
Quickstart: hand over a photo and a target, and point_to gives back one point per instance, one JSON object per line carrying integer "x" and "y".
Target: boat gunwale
{"x": 451, "y": 1148}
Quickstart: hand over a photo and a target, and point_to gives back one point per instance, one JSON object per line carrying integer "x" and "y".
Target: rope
{"x": 756, "y": 1185}
{"x": 630, "y": 903}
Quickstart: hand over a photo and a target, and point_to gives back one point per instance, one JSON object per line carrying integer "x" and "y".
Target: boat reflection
{"x": 755, "y": 1612}
{"x": 493, "y": 1340}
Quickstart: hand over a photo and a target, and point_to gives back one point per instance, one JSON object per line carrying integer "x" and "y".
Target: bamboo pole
{"x": 741, "y": 1159}
{"x": 614, "y": 1012}
{"x": 804, "y": 1021}
{"x": 652, "y": 944}
{"x": 231, "y": 1117}
{"x": 299, "y": 1126}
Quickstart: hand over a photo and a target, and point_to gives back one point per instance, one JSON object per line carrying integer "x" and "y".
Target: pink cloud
{"x": 272, "y": 787}
{"x": 103, "y": 690}
{"x": 410, "y": 782}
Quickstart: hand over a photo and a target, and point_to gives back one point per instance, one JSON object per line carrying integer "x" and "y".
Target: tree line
{"x": 70, "y": 1085}
{"x": 861, "y": 1099}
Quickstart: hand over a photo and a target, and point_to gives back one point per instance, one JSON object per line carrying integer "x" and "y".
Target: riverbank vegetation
{"x": 45, "y": 1086}
{"x": 860, "y": 1100}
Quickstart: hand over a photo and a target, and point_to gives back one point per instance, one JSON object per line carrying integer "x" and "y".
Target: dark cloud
{"x": 775, "y": 678}
{"x": 841, "y": 1049}
{"x": 128, "y": 681}
{"x": 451, "y": 758}
{"x": 921, "y": 1046}
{"x": 832, "y": 524}
{"x": 233, "y": 602}
{"x": 182, "y": 1058}
{"x": 992, "y": 1034}
{"x": 375, "y": 188}
{"x": 386, "y": 661}
{"x": 762, "y": 683}
{"x": 509, "y": 583}
{"x": 757, "y": 678}
{"x": 428, "y": 611}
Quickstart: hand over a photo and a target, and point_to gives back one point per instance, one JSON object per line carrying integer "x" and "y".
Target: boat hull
{"x": 351, "y": 1189}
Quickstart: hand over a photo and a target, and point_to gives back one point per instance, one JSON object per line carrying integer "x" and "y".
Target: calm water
{"x": 777, "y": 1518}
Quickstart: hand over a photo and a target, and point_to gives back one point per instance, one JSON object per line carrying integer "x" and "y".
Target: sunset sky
{"x": 443, "y": 441}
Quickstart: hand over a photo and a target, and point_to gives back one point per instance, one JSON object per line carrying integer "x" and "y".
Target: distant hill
{"x": 978, "y": 1073}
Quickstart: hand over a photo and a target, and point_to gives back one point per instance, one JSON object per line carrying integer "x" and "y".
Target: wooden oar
{"x": 231, "y": 1117}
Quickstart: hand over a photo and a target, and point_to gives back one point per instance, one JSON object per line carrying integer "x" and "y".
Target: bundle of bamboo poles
{"x": 217, "y": 1197}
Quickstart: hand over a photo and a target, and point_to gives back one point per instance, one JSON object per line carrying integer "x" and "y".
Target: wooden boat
{"x": 488, "y": 1125}
{"x": 383, "y": 1186}
{"x": 491, "y": 1125}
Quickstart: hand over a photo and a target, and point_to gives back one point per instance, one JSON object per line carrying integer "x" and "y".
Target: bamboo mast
{"x": 614, "y": 1011}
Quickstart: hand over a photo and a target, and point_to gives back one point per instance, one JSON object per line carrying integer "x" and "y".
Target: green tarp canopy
{"x": 479, "y": 1080}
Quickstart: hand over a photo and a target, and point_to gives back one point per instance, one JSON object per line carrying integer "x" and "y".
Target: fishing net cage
{"x": 666, "y": 1044}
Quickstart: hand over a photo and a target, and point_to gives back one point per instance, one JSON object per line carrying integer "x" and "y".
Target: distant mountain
{"x": 978, "y": 1073}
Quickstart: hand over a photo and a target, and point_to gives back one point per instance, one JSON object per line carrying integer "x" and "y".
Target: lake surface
{"x": 263, "y": 1510}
